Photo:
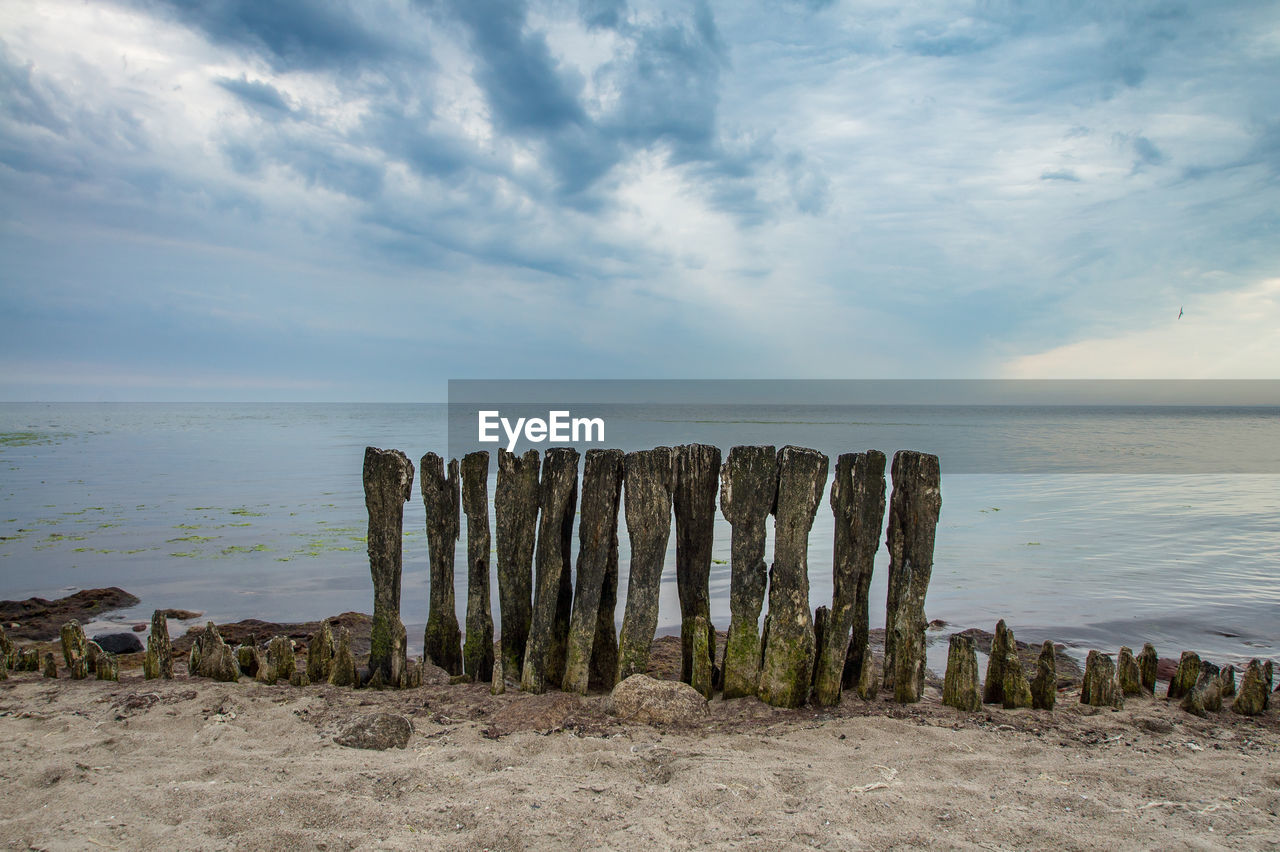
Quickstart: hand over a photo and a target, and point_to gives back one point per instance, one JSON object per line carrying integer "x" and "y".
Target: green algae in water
{"x": 32, "y": 439}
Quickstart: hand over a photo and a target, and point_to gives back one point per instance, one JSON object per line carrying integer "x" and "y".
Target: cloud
{"x": 263, "y": 97}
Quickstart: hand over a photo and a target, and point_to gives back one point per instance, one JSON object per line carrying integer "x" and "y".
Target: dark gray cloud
{"x": 261, "y": 96}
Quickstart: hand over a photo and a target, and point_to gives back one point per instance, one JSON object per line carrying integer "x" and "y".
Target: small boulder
{"x": 119, "y": 643}
{"x": 642, "y": 699}
{"x": 379, "y": 731}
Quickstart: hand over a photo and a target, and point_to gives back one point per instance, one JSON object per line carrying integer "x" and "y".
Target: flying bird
{"x": 1179, "y": 311}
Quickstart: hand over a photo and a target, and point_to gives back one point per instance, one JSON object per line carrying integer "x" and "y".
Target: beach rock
{"x": 748, "y": 487}
{"x": 250, "y": 661}
{"x": 378, "y": 731}
{"x": 642, "y": 699}
{"x": 960, "y": 685}
{"x": 1251, "y": 696}
{"x": 1015, "y": 691}
{"x": 857, "y": 502}
{"x": 50, "y": 666}
{"x": 697, "y": 481}
{"x": 786, "y": 673}
{"x": 498, "y": 683}
{"x": 597, "y": 564}
{"x": 544, "y": 652}
{"x": 106, "y": 667}
{"x": 1206, "y": 695}
{"x": 701, "y": 660}
{"x": 1128, "y": 674}
{"x": 515, "y": 508}
{"x": 75, "y": 650}
{"x": 388, "y": 485}
{"x": 320, "y": 651}
{"x": 158, "y": 662}
{"x": 477, "y": 649}
{"x": 648, "y": 481}
{"x": 1185, "y": 677}
{"x": 40, "y": 619}
{"x": 1148, "y": 665}
{"x": 1099, "y": 686}
{"x": 1044, "y": 686}
{"x": 342, "y": 672}
{"x": 211, "y": 657}
{"x": 993, "y": 685}
{"x": 119, "y": 643}
{"x": 913, "y": 520}
{"x": 1227, "y": 677}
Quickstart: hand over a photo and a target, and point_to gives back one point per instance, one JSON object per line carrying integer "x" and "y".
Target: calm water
{"x": 258, "y": 511}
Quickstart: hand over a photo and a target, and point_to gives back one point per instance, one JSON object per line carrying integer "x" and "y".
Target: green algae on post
{"x": 477, "y": 651}
{"x": 748, "y": 487}
{"x": 648, "y": 482}
{"x": 442, "y": 639}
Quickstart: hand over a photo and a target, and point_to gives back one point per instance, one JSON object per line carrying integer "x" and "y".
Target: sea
{"x": 257, "y": 511}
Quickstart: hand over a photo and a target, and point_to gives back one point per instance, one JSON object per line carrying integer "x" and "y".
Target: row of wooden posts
{"x": 558, "y": 623}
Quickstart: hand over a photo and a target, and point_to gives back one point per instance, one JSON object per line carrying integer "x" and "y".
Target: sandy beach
{"x": 193, "y": 764}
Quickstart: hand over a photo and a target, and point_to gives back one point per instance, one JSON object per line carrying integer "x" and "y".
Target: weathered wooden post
{"x": 1186, "y": 675}
{"x": 1044, "y": 687}
{"x": 1148, "y": 661}
{"x": 1128, "y": 674}
{"x": 342, "y": 671}
{"x": 388, "y": 485}
{"x": 696, "y": 480}
{"x": 597, "y": 548}
{"x": 477, "y": 651}
{"x": 515, "y": 508}
{"x": 913, "y": 522}
{"x": 553, "y": 590}
{"x": 1253, "y": 692}
{"x": 158, "y": 660}
{"x": 320, "y": 654}
{"x": 960, "y": 684}
{"x": 748, "y": 488}
{"x": 649, "y": 477}
{"x": 442, "y": 640}
{"x": 1205, "y": 696}
{"x": 787, "y": 669}
{"x": 1098, "y": 689}
{"x": 857, "y": 500}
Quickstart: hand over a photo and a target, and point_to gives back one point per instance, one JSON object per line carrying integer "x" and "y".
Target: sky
{"x": 315, "y": 200}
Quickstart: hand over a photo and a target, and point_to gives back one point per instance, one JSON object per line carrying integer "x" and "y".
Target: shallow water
{"x": 257, "y": 511}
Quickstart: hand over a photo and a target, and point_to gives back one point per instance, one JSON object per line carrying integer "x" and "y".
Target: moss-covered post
{"x": 388, "y": 484}
{"x": 993, "y": 684}
{"x": 75, "y": 650}
{"x": 515, "y": 509}
{"x": 913, "y": 522}
{"x": 696, "y": 483}
{"x": 442, "y": 640}
{"x": 960, "y": 685}
{"x": 1044, "y": 686}
{"x": 320, "y": 654}
{"x": 748, "y": 488}
{"x": 787, "y": 670}
{"x": 1098, "y": 689}
{"x": 553, "y": 590}
{"x": 158, "y": 660}
{"x": 597, "y": 547}
{"x": 857, "y": 501}
{"x": 649, "y": 479}
{"x": 477, "y": 652}
{"x": 1148, "y": 662}
{"x": 1128, "y": 673}
{"x": 342, "y": 672}
{"x": 1186, "y": 675}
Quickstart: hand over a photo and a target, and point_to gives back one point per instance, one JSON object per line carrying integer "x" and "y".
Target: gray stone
{"x": 515, "y": 508}
{"x": 1185, "y": 677}
{"x": 640, "y": 698}
{"x": 1044, "y": 686}
{"x": 597, "y": 551}
{"x": 441, "y": 494}
{"x": 913, "y": 520}
{"x": 119, "y": 643}
{"x": 1148, "y": 663}
{"x": 648, "y": 480}
{"x": 544, "y": 653}
{"x": 1099, "y": 686}
{"x": 697, "y": 480}
{"x": 477, "y": 650}
{"x": 379, "y": 731}
{"x": 748, "y": 488}
{"x": 960, "y": 685}
{"x": 786, "y": 673}
{"x": 857, "y": 501}
{"x": 388, "y": 485}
